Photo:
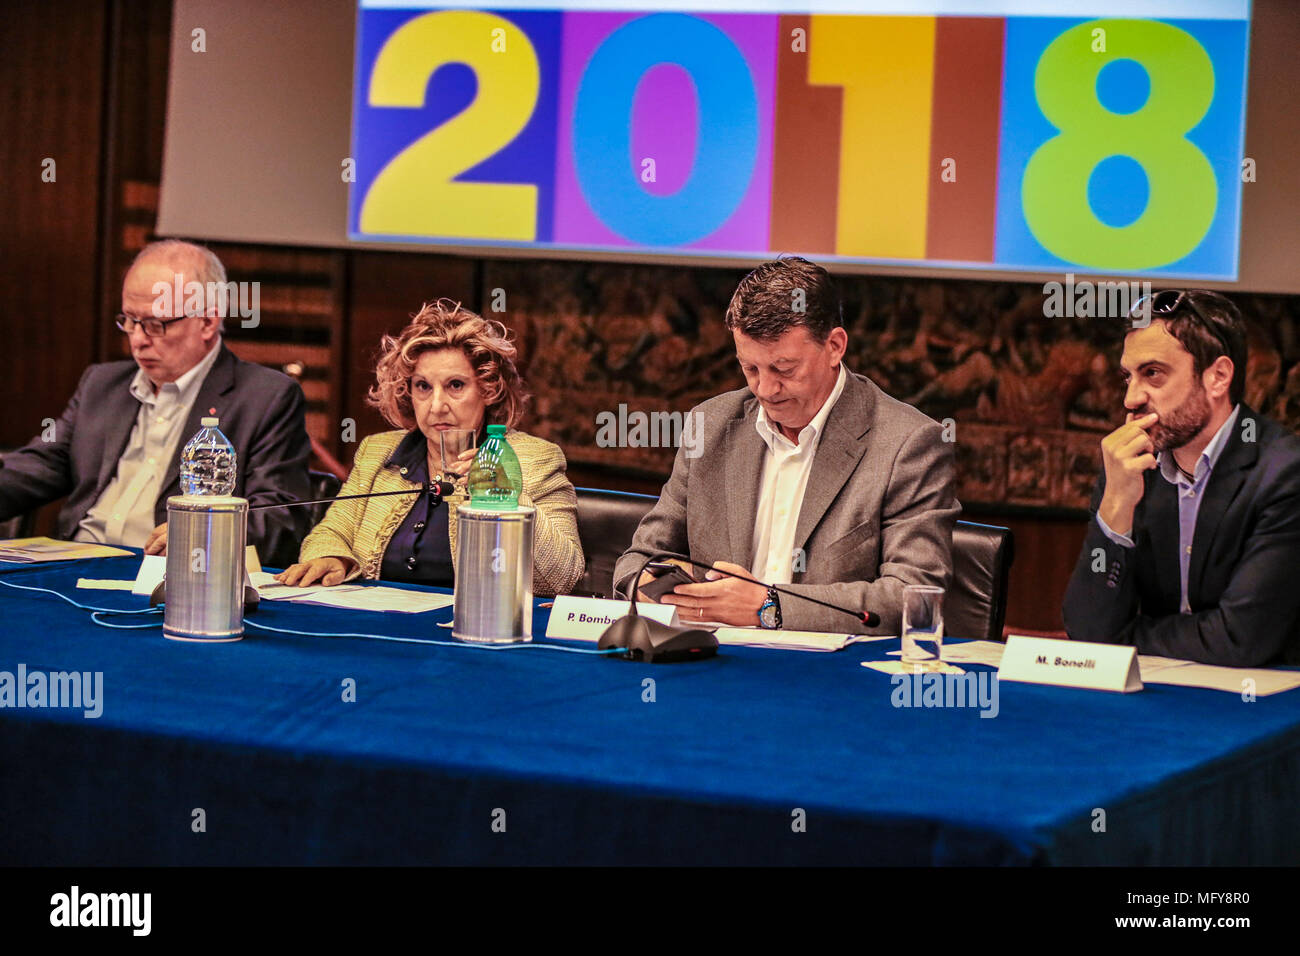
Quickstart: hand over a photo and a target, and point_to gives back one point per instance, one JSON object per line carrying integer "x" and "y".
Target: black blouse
{"x": 420, "y": 551}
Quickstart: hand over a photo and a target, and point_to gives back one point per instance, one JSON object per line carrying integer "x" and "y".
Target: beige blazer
{"x": 360, "y": 530}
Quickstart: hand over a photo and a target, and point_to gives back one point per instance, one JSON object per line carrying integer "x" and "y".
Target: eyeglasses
{"x": 153, "y": 328}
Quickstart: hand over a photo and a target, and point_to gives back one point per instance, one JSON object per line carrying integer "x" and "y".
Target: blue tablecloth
{"x": 443, "y": 746}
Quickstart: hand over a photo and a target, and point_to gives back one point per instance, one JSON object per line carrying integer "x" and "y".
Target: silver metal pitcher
{"x": 206, "y": 535}
{"x": 494, "y": 575}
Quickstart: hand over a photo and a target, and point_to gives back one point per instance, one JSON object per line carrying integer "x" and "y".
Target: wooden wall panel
{"x": 139, "y": 43}
{"x": 384, "y": 290}
{"x": 1046, "y": 549}
{"x": 51, "y": 75}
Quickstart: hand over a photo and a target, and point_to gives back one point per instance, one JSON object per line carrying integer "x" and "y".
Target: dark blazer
{"x": 261, "y": 412}
{"x": 877, "y": 513}
{"x": 1241, "y": 584}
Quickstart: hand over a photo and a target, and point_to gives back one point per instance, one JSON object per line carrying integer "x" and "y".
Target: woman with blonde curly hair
{"x": 450, "y": 368}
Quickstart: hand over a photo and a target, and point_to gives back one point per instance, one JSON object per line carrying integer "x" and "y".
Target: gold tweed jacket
{"x": 360, "y": 530}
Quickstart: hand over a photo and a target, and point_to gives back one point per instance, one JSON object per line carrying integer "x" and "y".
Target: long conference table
{"x": 250, "y": 753}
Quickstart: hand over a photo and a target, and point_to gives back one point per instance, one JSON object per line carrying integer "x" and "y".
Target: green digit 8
{"x": 1183, "y": 190}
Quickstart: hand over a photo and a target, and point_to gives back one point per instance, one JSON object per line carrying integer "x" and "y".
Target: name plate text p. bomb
{"x": 585, "y": 619}
{"x": 1044, "y": 660}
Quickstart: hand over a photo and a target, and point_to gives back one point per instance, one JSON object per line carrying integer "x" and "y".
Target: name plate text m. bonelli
{"x": 1044, "y": 660}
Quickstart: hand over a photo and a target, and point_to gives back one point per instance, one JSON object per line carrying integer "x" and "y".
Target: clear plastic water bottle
{"x": 208, "y": 462}
{"x": 495, "y": 479}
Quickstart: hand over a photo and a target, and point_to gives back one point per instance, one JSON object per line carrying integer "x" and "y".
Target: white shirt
{"x": 786, "y": 468}
{"x": 124, "y": 513}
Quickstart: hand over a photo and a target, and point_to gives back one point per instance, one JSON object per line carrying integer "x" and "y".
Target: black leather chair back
{"x": 982, "y": 555}
{"x": 19, "y": 526}
{"x": 323, "y": 485}
{"x": 607, "y": 520}
{"x": 976, "y": 605}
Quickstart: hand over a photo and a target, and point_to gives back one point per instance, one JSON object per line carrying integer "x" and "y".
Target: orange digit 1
{"x": 416, "y": 193}
{"x": 886, "y": 68}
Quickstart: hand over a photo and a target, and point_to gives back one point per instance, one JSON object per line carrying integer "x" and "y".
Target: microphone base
{"x": 651, "y": 642}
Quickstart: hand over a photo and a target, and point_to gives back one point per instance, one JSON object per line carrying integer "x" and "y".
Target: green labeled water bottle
{"x": 495, "y": 479}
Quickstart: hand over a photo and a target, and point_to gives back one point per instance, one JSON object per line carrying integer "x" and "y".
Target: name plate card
{"x": 1044, "y": 660}
{"x": 153, "y": 568}
{"x": 585, "y": 619}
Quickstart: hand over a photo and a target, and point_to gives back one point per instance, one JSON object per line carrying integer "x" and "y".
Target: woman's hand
{"x": 328, "y": 571}
{"x": 459, "y": 475}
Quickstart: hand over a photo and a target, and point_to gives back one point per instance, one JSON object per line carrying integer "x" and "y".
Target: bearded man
{"x": 1194, "y": 543}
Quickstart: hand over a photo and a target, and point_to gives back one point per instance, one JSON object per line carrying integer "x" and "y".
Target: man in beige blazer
{"x": 811, "y": 478}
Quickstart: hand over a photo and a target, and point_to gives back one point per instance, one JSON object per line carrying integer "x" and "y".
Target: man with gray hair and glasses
{"x": 115, "y": 451}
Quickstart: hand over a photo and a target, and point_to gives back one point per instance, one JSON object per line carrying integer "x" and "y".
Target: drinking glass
{"x": 922, "y": 626}
{"x": 451, "y": 444}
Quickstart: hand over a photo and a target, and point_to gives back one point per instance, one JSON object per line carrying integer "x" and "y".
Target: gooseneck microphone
{"x": 643, "y": 639}
{"x": 436, "y": 490}
{"x": 867, "y": 618}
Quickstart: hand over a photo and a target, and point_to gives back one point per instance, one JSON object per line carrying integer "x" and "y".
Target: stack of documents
{"x": 32, "y": 550}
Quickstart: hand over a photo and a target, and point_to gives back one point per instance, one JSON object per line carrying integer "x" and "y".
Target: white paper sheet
{"x": 354, "y": 596}
{"x": 898, "y": 667}
{"x": 269, "y": 589}
{"x": 379, "y": 599}
{"x": 1154, "y": 670}
{"x": 791, "y": 640}
{"x": 1229, "y": 679}
{"x": 970, "y": 652}
{"x": 1150, "y": 665}
{"x": 93, "y": 584}
{"x": 153, "y": 568}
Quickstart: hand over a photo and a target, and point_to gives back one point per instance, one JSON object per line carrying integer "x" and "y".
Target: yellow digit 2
{"x": 416, "y": 193}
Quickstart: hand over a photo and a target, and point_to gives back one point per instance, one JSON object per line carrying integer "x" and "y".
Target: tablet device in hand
{"x": 667, "y": 577}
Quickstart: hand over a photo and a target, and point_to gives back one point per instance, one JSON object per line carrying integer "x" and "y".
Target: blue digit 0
{"x": 727, "y": 139}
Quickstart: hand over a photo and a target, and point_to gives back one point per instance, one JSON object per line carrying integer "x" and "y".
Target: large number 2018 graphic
{"x": 550, "y": 148}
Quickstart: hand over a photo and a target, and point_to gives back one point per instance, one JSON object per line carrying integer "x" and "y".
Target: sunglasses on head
{"x": 1167, "y": 302}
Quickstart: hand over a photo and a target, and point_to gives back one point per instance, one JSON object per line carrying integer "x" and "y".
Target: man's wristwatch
{"x": 769, "y": 615}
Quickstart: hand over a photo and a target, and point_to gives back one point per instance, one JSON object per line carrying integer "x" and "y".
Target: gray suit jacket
{"x": 261, "y": 412}
{"x": 877, "y": 513}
